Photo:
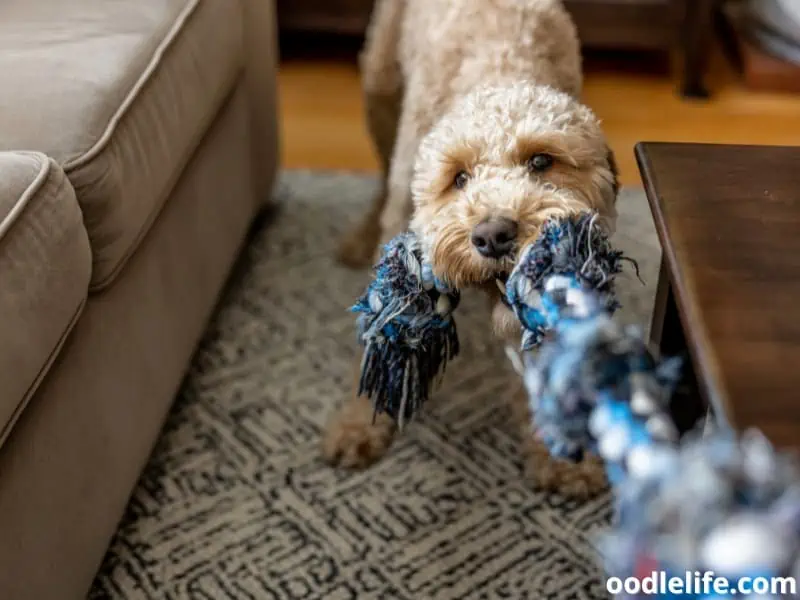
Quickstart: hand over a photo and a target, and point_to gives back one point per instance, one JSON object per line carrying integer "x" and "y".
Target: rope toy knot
{"x": 406, "y": 326}
{"x": 570, "y": 254}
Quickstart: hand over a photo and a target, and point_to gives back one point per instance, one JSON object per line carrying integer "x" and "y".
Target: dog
{"x": 474, "y": 108}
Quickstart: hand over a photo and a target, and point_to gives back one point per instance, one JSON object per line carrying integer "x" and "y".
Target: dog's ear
{"x": 607, "y": 184}
{"x": 614, "y": 170}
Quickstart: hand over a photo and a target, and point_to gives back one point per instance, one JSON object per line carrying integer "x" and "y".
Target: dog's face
{"x": 501, "y": 162}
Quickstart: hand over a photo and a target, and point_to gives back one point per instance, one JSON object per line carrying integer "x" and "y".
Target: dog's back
{"x": 448, "y": 47}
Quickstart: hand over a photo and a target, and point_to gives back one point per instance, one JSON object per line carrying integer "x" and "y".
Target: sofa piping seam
{"x": 133, "y": 93}
{"x": 24, "y": 199}
{"x": 8, "y": 427}
{"x": 158, "y": 207}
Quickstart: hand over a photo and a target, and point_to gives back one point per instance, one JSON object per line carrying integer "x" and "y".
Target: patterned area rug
{"x": 236, "y": 503}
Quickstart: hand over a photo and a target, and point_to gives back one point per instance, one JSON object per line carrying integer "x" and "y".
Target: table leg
{"x": 666, "y": 334}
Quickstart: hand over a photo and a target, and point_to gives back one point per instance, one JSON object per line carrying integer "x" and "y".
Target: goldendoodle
{"x": 474, "y": 108}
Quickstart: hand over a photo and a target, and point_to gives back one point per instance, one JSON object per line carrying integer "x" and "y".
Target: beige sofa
{"x": 137, "y": 142}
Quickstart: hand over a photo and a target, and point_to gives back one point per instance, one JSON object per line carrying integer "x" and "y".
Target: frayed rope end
{"x": 407, "y": 330}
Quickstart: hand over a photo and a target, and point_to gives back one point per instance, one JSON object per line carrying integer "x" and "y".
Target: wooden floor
{"x": 323, "y": 125}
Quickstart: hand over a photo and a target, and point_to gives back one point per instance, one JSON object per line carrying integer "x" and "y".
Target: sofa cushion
{"x": 119, "y": 93}
{"x": 45, "y": 268}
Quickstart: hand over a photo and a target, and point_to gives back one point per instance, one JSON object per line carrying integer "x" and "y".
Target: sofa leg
{"x": 698, "y": 32}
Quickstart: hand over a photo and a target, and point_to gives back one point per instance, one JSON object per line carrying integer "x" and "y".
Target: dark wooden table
{"x": 728, "y": 218}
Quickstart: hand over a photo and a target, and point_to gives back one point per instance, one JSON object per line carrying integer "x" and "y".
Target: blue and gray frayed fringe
{"x": 406, "y": 326}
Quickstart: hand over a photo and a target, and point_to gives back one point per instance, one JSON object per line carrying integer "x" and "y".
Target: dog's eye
{"x": 539, "y": 163}
{"x": 461, "y": 180}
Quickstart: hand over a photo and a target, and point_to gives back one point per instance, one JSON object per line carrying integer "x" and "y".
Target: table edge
{"x": 697, "y": 339}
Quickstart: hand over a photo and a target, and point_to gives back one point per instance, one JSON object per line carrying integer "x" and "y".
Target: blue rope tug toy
{"x": 716, "y": 505}
{"x": 721, "y": 504}
{"x": 590, "y": 371}
{"x": 407, "y": 330}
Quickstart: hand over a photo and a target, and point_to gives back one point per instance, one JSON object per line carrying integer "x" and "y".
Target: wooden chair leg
{"x": 698, "y": 33}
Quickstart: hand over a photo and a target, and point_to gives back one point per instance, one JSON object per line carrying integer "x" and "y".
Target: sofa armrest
{"x": 261, "y": 66}
{"x": 45, "y": 266}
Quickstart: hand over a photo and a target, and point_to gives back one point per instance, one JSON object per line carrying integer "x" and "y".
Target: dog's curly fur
{"x": 471, "y": 90}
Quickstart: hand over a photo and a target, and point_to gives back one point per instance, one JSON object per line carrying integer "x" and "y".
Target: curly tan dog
{"x": 473, "y": 107}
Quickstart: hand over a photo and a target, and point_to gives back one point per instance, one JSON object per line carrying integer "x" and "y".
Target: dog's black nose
{"x": 494, "y": 238}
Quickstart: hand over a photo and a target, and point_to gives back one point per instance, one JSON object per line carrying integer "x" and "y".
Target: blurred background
{"x": 655, "y": 70}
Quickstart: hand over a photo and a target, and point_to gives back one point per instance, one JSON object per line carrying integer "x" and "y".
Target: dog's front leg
{"x": 382, "y": 86}
{"x": 355, "y": 437}
{"x": 357, "y": 248}
{"x": 580, "y": 480}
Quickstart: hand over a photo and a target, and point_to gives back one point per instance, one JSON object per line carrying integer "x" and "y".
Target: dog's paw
{"x": 357, "y": 248}
{"x": 579, "y": 480}
{"x": 353, "y": 441}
